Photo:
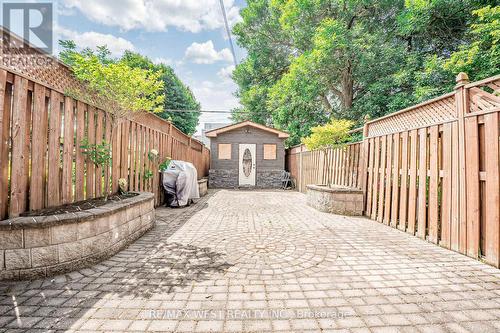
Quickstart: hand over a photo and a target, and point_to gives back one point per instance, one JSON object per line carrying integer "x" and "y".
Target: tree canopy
{"x": 332, "y": 135}
{"x": 134, "y": 70}
{"x": 311, "y": 60}
{"x": 124, "y": 89}
{"x": 178, "y": 96}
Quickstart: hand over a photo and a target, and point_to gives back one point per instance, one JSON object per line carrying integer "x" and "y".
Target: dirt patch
{"x": 79, "y": 206}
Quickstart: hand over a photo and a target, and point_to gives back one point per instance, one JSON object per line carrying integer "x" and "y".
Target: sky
{"x": 188, "y": 35}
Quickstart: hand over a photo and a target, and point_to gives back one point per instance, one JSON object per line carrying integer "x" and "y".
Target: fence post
{"x": 461, "y": 100}
{"x": 364, "y": 161}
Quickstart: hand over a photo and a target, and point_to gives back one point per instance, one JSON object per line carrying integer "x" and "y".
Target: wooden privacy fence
{"x": 431, "y": 170}
{"x": 337, "y": 166}
{"x": 41, "y": 162}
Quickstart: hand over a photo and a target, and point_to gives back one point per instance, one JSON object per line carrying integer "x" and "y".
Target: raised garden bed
{"x": 51, "y": 244}
{"x": 335, "y": 199}
{"x": 80, "y": 205}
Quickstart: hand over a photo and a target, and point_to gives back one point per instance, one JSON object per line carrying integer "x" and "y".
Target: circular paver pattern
{"x": 271, "y": 252}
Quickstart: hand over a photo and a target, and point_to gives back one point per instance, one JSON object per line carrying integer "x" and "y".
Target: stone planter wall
{"x": 32, "y": 247}
{"x": 337, "y": 199}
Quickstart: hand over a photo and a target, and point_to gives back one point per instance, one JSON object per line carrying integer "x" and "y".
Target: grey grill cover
{"x": 181, "y": 180}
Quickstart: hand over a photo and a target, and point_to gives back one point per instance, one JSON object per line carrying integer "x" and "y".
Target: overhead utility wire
{"x": 228, "y": 31}
{"x": 213, "y": 111}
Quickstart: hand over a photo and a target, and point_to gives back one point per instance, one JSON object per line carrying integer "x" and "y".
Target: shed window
{"x": 269, "y": 152}
{"x": 224, "y": 151}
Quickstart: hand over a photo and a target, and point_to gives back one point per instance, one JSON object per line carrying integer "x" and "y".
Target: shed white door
{"x": 247, "y": 165}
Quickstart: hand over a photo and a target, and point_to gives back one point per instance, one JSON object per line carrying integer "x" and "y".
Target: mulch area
{"x": 79, "y": 206}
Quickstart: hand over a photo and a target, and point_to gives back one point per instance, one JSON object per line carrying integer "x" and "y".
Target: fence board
{"x": 433, "y": 198}
{"x": 98, "y": 140}
{"x": 447, "y": 186}
{"x": 141, "y": 156}
{"x": 388, "y": 181}
{"x": 376, "y": 174}
{"x": 107, "y": 171}
{"x": 18, "y": 194}
{"x": 381, "y": 189}
{"x": 395, "y": 180}
{"x": 39, "y": 148}
{"x": 90, "y": 168}
{"x": 412, "y": 196}
{"x": 27, "y": 142}
{"x": 369, "y": 185}
{"x": 473, "y": 186}
{"x": 80, "y": 158}
{"x": 138, "y": 170}
{"x": 455, "y": 222}
{"x": 116, "y": 155}
{"x": 492, "y": 199}
{"x": 156, "y": 181}
{"x": 404, "y": 182}
{"x": 5, "y": 109}
{"x": 69, "y": 136}
{"x": 338, "y": 163}
{"x": 133, "y": 155}
{"x": 53, "y": 180}
{"x": 147, "y": 147}
{"x": 422, "y": 184}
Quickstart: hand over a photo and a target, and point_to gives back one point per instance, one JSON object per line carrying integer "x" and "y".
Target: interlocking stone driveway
{"x": 264, "y": 261}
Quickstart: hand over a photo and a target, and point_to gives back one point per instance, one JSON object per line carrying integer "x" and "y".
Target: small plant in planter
{"x": 123, "y": 185}
{"x": 99, "y": 154}
{"x": 148, "y": 174}
{"x": 153, "y": 157}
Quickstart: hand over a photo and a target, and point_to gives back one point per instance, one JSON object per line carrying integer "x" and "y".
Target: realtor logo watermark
{"x": 28, "y": 33}
{"x": 32, "y": 22}
{"x": 236, "y": 314}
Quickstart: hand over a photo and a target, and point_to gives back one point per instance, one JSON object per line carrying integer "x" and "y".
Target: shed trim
{"x": 215, "y": 132}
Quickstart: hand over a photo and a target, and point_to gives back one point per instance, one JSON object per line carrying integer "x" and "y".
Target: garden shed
{"x": 246, "y": 154}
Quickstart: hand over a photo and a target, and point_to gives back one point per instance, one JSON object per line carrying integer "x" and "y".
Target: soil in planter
{"x": 79, "y": 206}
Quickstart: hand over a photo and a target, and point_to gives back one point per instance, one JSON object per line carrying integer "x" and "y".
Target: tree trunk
{"x": 347, "y": 87}
{"x": 108, "y": 165}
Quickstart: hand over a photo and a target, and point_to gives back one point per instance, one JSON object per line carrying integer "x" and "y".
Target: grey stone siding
{"x": 229, "y": 179}
{"x": 268, "y": 178}
{"x": 223, "y": 178}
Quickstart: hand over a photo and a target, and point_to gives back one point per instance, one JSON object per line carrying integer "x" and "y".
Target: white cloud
{"x": 157, "y": 15}
{"x": 226, "y": 72}
{"x": 91, "y": 39}
{"x": 215, "y": 95}
{"x": 165, "y": 61}
{"x": 205, "y": 53}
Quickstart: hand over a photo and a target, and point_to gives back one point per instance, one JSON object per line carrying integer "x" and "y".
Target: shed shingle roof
{"x": 215, "y": 132}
